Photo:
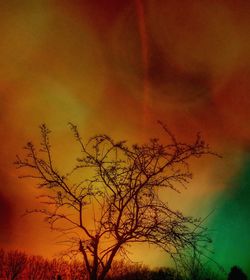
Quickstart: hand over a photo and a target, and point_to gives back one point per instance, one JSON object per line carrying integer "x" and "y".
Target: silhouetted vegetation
{"x": 236, "y": 274}
{"x": 122, "y": 185}
{"x": 13, "y": 263}
{"x": 16, "y": 265}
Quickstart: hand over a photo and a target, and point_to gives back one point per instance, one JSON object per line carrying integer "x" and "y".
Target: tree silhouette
{"x": 236, "y": 274}
{"x": 15, "y": 263}
{"x": 2, "y": 263}
{"x": 112, "y": 197}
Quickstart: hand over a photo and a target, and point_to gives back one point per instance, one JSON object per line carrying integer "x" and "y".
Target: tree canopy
{"x": 112, "y": 195}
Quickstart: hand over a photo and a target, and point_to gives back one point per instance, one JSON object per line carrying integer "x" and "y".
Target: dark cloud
{"x": 172, "y": 82}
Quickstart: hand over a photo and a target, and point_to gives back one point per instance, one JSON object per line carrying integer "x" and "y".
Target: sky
{"x": 117, "y": 67}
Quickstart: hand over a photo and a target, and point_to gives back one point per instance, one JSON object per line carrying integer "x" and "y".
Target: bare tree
{"x": 2, "y": 263}
{"x": 35, "y": 268}
{"x": 112, "y": 196}
{"x": 15, "y": 264}
{"x": 38, "y": 268}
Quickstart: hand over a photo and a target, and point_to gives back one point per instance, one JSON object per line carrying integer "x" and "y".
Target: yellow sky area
{"x": 22, "y": 30}
{"x": 53, "y": 104}
{"x": 48, "y": 61}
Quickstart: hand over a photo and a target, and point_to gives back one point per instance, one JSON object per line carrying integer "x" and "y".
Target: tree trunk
{"x": 93, "y": 276}
{"x": 108, "y": 264}
{"x": 103, "y": 275}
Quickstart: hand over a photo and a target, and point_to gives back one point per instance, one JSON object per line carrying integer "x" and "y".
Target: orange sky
{"x": 117, "y": 67}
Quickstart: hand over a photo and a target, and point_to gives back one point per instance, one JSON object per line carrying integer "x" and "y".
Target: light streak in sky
{"x": 145, "y": 58}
